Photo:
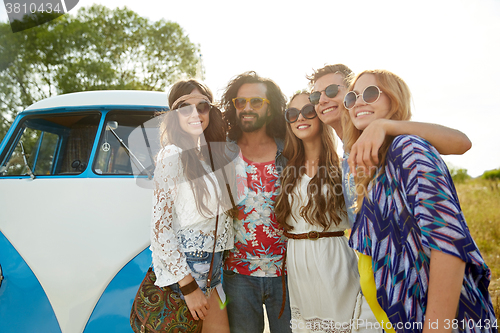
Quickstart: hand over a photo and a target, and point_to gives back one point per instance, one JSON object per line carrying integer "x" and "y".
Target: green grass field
{"x": 480, "y": 202}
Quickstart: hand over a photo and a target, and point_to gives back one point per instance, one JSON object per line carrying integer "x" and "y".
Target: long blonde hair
{"x": 326, "y": 203}
{"x": 400, "y": 109}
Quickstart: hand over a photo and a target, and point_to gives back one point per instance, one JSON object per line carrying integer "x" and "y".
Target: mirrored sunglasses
{"x": 331, "y": 91}
{"x": 308, "y": 112}
{"x": 370, "y": 95}
{"x": 187, "y": 109}
{"x": 255, "y": 102}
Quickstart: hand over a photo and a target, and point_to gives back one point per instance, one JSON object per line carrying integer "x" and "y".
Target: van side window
{"x": 52, "y": 145}
{"x": 135, "y": 153}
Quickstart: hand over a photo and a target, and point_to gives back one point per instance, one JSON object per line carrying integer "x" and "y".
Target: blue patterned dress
{"x": 412, "y": 208}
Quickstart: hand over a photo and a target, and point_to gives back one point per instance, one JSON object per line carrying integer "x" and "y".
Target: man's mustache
{"x": 248, "y": 114}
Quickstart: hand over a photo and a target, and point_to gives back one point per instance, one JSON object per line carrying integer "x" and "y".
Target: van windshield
{"x": 128, "y": 144}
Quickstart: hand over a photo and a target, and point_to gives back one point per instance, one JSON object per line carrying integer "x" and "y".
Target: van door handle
{"x": 1, "y": 275}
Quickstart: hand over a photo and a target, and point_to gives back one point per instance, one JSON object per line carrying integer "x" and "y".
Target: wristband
{"x": 189, "y": 288}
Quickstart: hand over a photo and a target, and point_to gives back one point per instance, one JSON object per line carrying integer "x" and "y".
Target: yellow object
{"x": 222, "y": 304}
{"x": 369, "y": 289}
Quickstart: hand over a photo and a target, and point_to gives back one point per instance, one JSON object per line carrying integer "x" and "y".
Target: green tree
{"x": 96, "y": 49}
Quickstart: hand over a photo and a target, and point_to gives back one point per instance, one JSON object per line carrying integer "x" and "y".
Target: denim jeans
{"x": 199, "y": 263}
{"x": 246, "y": 295}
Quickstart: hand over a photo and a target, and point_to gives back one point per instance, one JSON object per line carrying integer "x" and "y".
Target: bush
{"x": 491, "y": 175}
{"x": 493, "y": 178}
{"x": 459, "y": 175}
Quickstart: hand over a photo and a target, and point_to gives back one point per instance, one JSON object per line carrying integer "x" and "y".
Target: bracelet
{"x": 189, "y": 288}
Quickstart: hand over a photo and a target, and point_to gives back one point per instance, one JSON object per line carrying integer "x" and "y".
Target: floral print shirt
{"x": 259, "y": 242}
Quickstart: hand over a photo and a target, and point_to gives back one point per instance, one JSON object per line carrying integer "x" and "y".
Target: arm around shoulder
{"x": 364, "y": 153}
{"x": 446, "y": 140}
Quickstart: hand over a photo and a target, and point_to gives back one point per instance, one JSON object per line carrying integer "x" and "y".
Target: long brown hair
{"x": 212, "y": 147}
{"x": 326, "y": 203}
{"x": 399, "y": 96}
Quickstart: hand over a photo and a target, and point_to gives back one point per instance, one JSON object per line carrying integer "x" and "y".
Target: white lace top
{"x": 177, "y": 226}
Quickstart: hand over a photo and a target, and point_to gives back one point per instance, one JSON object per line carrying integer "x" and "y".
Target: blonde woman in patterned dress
{"x": 420, "y": 269}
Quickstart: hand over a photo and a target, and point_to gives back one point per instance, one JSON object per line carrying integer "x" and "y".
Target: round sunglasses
{"x": 331, "y": 91}
{"x": 308, "y": 112}
{"x": 186, "y": 109}
{"x": 255, "y": 102}
{"x": 370, "y": 95}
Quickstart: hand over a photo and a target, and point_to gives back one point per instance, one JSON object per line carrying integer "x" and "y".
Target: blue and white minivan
{"x": 75, "y": 210}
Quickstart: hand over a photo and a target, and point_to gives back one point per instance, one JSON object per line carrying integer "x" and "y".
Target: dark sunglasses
{"x": 331, "y": 91}
{"x": 370, "y": 95}
{"x": 255, "y": 102}
{"x": 187, "y": 109}
{"x": 308, "y": 112}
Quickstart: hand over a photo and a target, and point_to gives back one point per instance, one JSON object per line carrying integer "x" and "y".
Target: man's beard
{"x": 251, "y": 126}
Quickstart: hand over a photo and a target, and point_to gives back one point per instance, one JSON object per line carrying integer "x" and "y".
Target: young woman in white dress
{"x": 323, "y": 279}
{"x": 188, "y": 195}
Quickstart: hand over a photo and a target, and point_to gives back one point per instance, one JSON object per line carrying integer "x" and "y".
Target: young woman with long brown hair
{"x": 189, "y": 193}
{"x": 323, "y": 280}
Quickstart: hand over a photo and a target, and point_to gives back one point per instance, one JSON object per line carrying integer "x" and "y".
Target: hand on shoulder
{"x": 364, "y": 152}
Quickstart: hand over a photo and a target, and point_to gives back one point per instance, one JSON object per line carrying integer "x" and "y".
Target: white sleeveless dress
{"x": 323, "y": 278}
